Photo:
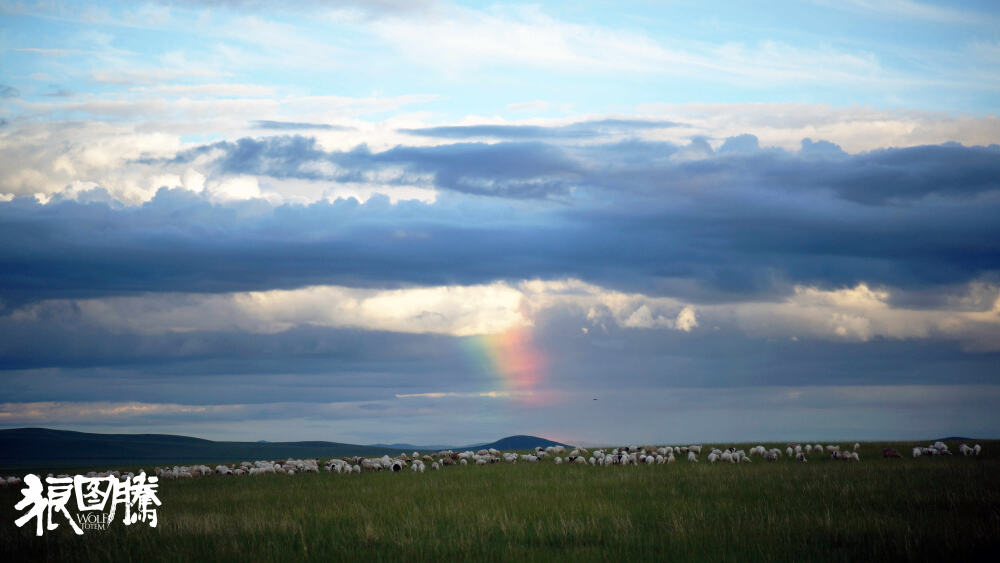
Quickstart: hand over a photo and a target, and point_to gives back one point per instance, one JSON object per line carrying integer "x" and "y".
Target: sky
{"x": 448, "y": 222}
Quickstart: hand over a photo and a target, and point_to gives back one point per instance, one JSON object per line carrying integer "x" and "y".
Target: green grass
{"x": 929, "y": 508}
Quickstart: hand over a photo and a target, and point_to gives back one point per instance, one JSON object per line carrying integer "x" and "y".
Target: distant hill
{"x": 509, "y": 443}
{"x": 411, "y": 447}
{"x": 520, "y": 443}
{"x": 42, "y": 447}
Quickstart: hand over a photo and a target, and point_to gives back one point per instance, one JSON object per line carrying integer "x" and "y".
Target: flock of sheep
{"x": 630, "y": 455}
{"x": 940, "y": 448}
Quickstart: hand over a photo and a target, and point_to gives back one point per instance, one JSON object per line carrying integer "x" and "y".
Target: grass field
{"x": 942, "y": 508}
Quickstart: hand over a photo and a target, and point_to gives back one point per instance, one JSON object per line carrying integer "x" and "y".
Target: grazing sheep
{"x": 713, "y": 457}
{"x": 696, "y": 449}
{"x": 857, "y": 446}
{"x": 463, "y": 461}
{"x": 789, "y": 451}
{"x": 771, "y": 455}
{"x": 671, "y": 458}
{"x": 808, "y": 448}
{"x": 435, "y": 466}
{"x": 977, "y": 449}
{"x": 917, "y": 451}
{"x": 558, "y": 460}
{"x": 692, "y": 457}
{"x": 800, "y": 456}
{"x": 889, "y": 452}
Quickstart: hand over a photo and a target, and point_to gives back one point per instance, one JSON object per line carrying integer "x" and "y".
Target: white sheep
{"x": 558, "y": 460}
{"x": 917, "y": 451}
{"x": 696, "y": 449}
{"x": 808, "y": 448}
{"x": 713, "y": 457}
{"x": 692, "y": 456}
{"x": 435, "y": 466}
{"x": 857, "y": 446}
{"x": 977, "y": 449}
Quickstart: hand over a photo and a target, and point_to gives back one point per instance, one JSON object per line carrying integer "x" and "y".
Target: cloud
{"x": 539, "y": 169}
{"x": 292, "y": 125}
{"x": 458, "y": 310}
{"x": 525, "y": 37}
{"x": 580, "y": 130}
{"x": 633, "y": 215}
{"x": 9, "y": 91}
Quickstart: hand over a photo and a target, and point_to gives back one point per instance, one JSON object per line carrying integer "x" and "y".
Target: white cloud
{"x": 855, "y": 314}
{"x": 686, "y": 319}
{"x": 860, "y": 314}
{"x": 464, "y": 39}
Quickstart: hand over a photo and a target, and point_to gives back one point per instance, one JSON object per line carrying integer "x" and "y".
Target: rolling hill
{"x": 38, "y": 447}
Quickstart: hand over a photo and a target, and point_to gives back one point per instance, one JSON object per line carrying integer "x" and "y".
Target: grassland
{"x": 944, "y": 509}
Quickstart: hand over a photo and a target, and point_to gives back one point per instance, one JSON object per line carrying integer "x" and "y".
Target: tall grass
{"x": 824, "y": 510}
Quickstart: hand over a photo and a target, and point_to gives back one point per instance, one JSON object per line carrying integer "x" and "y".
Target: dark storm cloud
{"x": 538, "y": 170}
{"x": 528, "y": 170}
{"x": 742, "y": 224}
{"x": 75, "y": 362}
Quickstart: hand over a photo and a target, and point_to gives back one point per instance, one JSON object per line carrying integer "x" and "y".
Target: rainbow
{"x": 511, "y": 359}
